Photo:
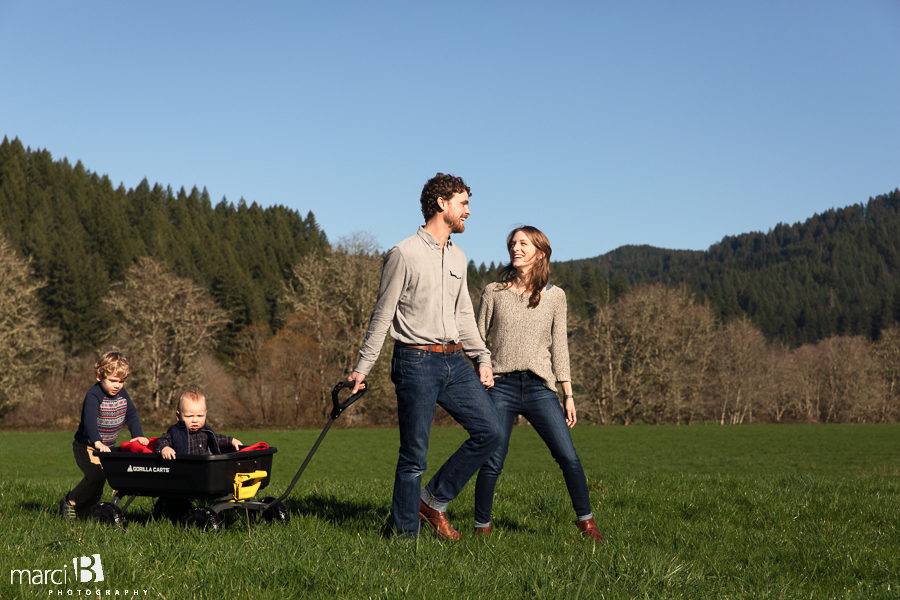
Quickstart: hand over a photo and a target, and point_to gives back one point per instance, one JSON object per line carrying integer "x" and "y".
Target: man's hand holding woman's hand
{"x": 486, "y": 375}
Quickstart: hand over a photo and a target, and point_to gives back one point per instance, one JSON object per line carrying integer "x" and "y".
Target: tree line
{"x": 656, "y": 354}
{"x": 259, "y": 309}
{"x": 835, "y": 274}
{"x": 82, "y": 235}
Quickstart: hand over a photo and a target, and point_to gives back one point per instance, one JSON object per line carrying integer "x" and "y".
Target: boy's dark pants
{"x": 90, "y": 489}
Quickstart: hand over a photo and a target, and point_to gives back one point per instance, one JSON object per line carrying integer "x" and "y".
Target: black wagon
{"x": 225, "y": 481}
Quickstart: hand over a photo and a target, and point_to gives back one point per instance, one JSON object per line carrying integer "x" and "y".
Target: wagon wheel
{"x": 173, "y": 509}
{"x": 202, "y": 517}
{"x": 107, "y": 512}
{"x": 278, "y": 512}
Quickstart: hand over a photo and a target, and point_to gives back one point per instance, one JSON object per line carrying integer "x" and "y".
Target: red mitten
{"x": 256, "y": 446}
{"x": 135, "y": 446}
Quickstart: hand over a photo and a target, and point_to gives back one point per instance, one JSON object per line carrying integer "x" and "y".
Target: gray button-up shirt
{"x": 423, "y": 299}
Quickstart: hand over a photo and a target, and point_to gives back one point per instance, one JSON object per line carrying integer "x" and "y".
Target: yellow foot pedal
{"x": 247, "y": 484}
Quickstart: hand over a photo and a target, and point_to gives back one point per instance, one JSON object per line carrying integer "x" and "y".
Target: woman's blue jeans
{"x": 421, "y": 380}
{"x": 523, "y": 393}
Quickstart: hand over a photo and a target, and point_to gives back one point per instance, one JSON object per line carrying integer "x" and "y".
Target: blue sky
{"x": 670, "y": 123}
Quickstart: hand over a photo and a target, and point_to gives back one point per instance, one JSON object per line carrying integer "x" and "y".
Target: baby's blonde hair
{"x": 190, "y": 395}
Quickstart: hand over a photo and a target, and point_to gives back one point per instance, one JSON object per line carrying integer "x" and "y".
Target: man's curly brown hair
{"x": 440, "y": 186}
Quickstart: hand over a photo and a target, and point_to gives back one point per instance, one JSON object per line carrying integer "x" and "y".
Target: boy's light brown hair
{"x": 190, "y": 395}
{"x": 113, "y": 364}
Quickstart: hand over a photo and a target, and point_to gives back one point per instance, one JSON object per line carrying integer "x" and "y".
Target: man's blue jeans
{"x": 423, "y": 379}
{"x": 523, "y": 393}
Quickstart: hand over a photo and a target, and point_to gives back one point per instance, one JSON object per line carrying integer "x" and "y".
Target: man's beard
{"x": 457, "y": 225}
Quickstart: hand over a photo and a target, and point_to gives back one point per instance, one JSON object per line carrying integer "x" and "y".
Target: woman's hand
{"x": 569, "y": 408}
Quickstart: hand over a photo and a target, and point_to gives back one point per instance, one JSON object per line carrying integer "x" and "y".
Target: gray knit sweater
{"x": 526, "y": 339}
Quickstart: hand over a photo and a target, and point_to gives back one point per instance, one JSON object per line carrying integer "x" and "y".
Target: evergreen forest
{"x": 229, "y": 296}
{"x": 82, "y": 234}
{"x": 837, "y": 273}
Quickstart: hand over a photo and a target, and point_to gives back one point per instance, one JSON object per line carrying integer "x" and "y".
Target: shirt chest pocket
{"x": 454, "y": 283}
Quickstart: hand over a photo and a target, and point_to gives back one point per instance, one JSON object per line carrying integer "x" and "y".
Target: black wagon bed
{"x": 230, "y": 481}
{"x": 190, "y": 476}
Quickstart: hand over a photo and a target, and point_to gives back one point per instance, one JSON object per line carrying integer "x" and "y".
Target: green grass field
{"x": 807, "y": 511}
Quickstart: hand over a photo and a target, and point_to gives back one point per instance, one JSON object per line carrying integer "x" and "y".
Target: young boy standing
{"x": 191, "y": 434}
{"x": 106, "y": 407}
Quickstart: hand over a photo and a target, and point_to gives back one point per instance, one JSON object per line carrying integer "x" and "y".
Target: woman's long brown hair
{"x": 540, "y": 271}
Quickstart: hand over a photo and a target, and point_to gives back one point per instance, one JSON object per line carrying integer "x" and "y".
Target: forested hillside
{"x": 835, "y": 274}
{"x": 82, "y": 234}
{"x": 256, "y": 307}
{"x": 838, "y": 273}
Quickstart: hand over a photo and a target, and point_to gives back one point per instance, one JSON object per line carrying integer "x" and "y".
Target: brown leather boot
{"x": 483, "y": 531}
{"x": 589, "y": 529}
{"x": 438, "y": 521}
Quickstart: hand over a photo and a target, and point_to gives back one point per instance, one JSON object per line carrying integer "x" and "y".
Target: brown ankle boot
{"x": 437, "y": 520}
{"x": 589, "y": 529}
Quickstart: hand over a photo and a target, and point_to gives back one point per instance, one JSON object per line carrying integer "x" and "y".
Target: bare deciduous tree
{"x": 277, "y": 376}
{"x": 779, "y": 405}
{"x": 595, "y": 368}
{"x": 848, "y": 377}
{"x": 887, "y": 356}
{"x": 739, "y": 374}
{"x": 334, "y": 295}
{"x": 28, "y": 348}
{"x": 651, "y": 350}
{"x": 803, "y": 384}
{"x": 165, "y": 322}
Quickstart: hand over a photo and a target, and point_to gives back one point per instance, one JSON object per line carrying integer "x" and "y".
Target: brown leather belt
{"x": 443, "y": 348}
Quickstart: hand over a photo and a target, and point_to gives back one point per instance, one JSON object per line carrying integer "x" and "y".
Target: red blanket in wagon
{"x": 133, "y": 446}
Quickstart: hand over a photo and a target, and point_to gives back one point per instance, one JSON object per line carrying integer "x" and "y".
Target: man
{"x": 424, "y": 301}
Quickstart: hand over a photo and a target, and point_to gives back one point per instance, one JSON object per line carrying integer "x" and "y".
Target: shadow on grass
{"x": 328, "y": 507}
{"x": 39, "y": 507}
{"x": 132, "y": 515}
{"x": 371, "y": 516}
{"x": 503, "y": 524}
{"x": 337, "y": 510}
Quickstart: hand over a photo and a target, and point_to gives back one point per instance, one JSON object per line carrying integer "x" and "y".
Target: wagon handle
{"x": 339, "y": 406}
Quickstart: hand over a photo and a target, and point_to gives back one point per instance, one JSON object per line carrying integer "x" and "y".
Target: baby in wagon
{"x": 191, "y": 434}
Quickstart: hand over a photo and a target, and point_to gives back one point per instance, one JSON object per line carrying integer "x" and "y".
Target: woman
{"x": 524, "y": 320}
